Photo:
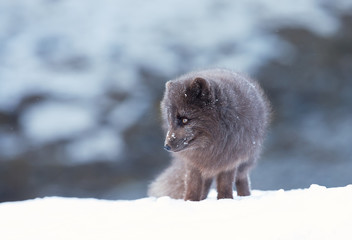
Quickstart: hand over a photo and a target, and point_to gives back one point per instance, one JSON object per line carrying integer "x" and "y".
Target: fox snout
{"x": 174, "y": 142}
{"x": 167, "y": 147}
{"x": 170, "y": 141}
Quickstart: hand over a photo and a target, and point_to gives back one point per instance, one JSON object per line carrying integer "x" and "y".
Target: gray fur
{"x": 215, "y": 122}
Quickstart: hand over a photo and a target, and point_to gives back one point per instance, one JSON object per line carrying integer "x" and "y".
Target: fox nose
{"x": 167, "y": 147}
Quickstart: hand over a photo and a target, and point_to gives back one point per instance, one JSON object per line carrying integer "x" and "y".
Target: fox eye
{"x": 181, "y": 121}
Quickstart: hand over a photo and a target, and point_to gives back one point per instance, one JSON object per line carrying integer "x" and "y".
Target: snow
{"x": 51, "y": 121}
{"x": 314, "y": 213}
{"x": 129, "y": 111}
{"x": 103, "y": 144}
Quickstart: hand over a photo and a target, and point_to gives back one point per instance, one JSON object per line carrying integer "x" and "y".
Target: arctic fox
{"x": 215, "y": 121}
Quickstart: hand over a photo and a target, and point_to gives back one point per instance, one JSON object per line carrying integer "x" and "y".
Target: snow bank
{"x": 314, "y": 213}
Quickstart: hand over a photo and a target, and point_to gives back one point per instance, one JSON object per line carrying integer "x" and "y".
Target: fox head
{"x": 189, "y": 114}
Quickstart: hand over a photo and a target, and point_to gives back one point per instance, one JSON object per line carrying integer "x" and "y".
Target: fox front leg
{"x": 206, "y": 187}
{"x": 224, "y": 184}
{"x": 194, "y": 184}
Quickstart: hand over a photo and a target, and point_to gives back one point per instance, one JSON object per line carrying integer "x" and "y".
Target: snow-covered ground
{"x": 314, "y": 213}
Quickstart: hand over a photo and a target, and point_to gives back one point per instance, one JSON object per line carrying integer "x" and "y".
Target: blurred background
{"x": 81, "y": 82}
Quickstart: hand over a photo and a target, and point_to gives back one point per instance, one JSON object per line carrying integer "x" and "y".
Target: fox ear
{"x": 200, "y": 87}
{"x": 168, "y": 84}
{"x": 201, "y": 91}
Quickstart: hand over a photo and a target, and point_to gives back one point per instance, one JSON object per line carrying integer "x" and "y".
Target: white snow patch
{"x": 103, "y": 145}
{"x": 315, "y": 213}
{"x": 128, "y": 112}
{"x": 50, "y": 121}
